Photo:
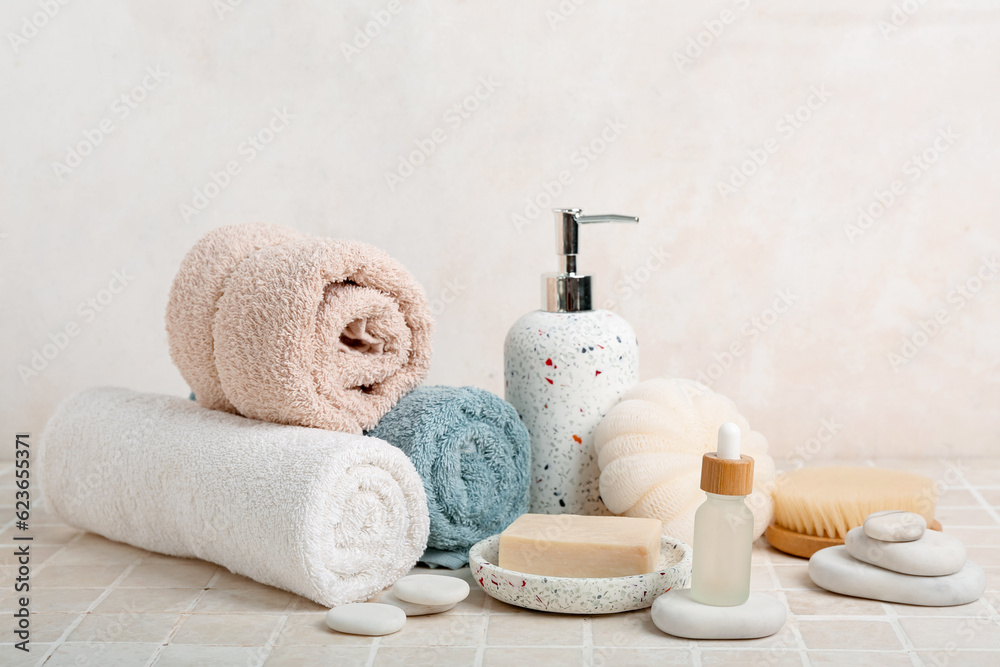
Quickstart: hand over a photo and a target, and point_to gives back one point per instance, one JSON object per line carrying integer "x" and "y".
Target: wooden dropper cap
{"x": 726, "y": 472}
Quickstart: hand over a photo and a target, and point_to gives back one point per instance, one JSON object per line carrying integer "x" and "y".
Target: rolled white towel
{"x": 331, "y": 516}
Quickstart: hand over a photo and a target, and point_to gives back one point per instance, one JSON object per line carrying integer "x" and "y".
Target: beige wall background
{"x": 817, "y": 185}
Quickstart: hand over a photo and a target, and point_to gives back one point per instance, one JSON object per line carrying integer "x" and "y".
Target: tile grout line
{"x": 588, "y": 642}
{"x": 904, "y": 639}
{"x": 481, "y": 646}
{"x": 989, "y": 510}
{"x": 994, "y": 616}
{"x": 182, "y": 617}
{"x": 694, "y": 651}
{"x": 40, "y": 568}
{"x": 372, "y": 651}
{"x": 272, "y": 641}
{"x": 991, "y": 611}
{"x": 93, "y": 605}
{"x": 975, "y": 494}
{"x": 792, "y": 619}
{"x": 708, "y": 650}
{"x": 63, "y": 547}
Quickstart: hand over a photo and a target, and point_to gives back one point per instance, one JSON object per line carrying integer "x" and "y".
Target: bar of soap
{"x": 568, "y": 545}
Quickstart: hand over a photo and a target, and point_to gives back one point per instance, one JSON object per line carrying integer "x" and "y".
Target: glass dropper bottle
{"x": 723, "y": 525}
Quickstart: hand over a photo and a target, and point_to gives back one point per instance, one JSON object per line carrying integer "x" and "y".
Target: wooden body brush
{"x": 815, "y": 507}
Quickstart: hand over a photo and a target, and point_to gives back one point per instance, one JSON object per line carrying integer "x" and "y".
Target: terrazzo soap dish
{"x": 580, "y": 595}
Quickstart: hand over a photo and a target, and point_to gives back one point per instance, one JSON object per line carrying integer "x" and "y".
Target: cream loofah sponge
{"x": 649, "y": 450}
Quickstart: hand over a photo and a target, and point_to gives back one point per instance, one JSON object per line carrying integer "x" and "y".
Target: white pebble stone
{"x": 677, "y": 614}
{"x": 935, "y": 554}
{"x": 411, "y": 609}
{"x": 895, "y": 526}
{"x": 366, "y": 618}
{"x": 431, "y": 589}
{"x": 835, "y": 570}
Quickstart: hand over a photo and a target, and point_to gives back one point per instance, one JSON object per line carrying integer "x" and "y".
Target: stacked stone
{"x": 894, "y": 558}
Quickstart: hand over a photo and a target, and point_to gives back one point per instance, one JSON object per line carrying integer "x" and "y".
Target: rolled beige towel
{"x": 293, "y": 329}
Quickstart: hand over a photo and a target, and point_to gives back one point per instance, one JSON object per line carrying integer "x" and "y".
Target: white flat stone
{"x": 835, "y": 570}
{"x": 935, "y": 554}
{"x": 677, "y": 614}
{"x": 895, "y": 526}
{"x": 366, "y": 618}
{"x": 411, "y": 609}
{"x": 431, "y": 589}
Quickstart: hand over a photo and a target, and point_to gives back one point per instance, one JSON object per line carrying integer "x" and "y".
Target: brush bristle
{"x": 828, "y": 502}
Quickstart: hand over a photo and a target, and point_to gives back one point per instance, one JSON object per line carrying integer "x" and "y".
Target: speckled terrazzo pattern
{"x": 563, "y": 372}
{"x": 580, "y": 595}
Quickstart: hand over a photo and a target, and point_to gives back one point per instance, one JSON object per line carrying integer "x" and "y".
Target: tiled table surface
{"x": 101, "y": 603}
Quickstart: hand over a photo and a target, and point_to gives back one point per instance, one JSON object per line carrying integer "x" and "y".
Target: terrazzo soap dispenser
{"x": 723, "y": 525}
{"x": 565, "y": 366}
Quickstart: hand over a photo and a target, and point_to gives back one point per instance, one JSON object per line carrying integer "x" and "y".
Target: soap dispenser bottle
{"x": 565, "y": 366}
{"x": 723, "y": 525}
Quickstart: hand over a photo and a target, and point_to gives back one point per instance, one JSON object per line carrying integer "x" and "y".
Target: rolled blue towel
{"x": 473, "y": 454}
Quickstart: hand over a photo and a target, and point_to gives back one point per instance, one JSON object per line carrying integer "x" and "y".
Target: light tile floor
{"x": 100, "y": 603}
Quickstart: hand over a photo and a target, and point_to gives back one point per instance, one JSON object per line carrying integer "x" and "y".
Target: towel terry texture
{"x": 278, "y": 326}
{"x": 334, "y": 517}
{"x": 472, "y": 452}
